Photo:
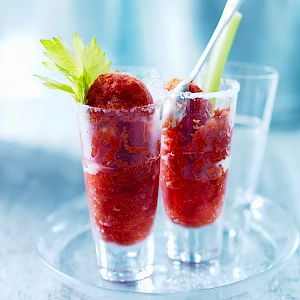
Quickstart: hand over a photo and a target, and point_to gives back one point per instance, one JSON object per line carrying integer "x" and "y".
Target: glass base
{"x": 194, "y": 245}
{"x": 126, "y": 275}
{"x": 125, "y": 263}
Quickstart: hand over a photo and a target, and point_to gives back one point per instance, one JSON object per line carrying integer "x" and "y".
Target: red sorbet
{"x": 121, "y": 159}
{"x": 118, "y": 90}
{"x": 193, "y": 179}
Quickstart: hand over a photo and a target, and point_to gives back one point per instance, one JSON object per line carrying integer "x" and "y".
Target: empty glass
{"x": 253, "y": 114}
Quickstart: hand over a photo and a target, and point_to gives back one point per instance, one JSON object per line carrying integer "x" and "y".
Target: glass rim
{"x": 270, "y": 72}
{"x": 141, "y": 109}
{"x": 233, "y": 89}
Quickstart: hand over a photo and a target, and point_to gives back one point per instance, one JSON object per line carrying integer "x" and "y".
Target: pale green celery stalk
{"x": 219, "y": 54}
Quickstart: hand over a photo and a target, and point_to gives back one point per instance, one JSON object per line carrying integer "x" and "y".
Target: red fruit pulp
{"x": 121, "y": 144}
{"x": 118, "y": 90}
{"x": 193, "y": 163}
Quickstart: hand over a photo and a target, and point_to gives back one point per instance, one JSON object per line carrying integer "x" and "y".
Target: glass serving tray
{"x": 257, "y": 242}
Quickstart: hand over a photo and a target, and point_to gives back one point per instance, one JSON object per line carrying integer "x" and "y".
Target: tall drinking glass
{"x": 253, "y": 114}
{"x": 194, "y": 167}
{"x": 121, "y": 157}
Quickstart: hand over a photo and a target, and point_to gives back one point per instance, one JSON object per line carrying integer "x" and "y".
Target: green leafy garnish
{"x": 218, "y": 57}
{"x": 81, "y": 67}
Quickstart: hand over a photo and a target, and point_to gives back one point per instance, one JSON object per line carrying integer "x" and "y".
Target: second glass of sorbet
{"x": 121, "y": 157}
{"x": 195, "y": 152}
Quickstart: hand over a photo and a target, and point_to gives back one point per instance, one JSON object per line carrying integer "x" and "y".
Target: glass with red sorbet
{"x": 120, "y": 137}
{"x": 195, "y": 151}
{"x": 120, "y": 132}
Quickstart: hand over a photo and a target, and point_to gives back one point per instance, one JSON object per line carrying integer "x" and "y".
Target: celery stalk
{"x": 219, "y": 54}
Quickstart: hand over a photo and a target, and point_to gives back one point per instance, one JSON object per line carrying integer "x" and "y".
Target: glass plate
{"x": 258, "y": 241}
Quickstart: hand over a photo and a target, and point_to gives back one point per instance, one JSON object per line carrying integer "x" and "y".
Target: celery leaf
{"x": 94, "y": 60}
{"x": 80, "y": 67}
{"x": 60, "y": 55}
{"x": 55, "y": 85}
